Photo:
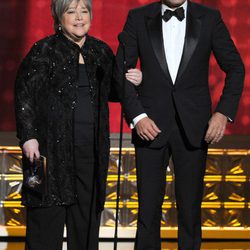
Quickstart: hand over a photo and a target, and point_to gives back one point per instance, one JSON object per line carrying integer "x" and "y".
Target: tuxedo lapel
{"x": 193, "y": 30}
{"x": 154, "y": 26}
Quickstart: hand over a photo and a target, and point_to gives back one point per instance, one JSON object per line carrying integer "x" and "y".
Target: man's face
{"x": 173, "y": 3}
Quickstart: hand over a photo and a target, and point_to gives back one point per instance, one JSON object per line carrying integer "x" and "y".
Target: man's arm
{"x": 134, "y": 112}
{"x": 128, "y": 95}
{"x": 230, "y": 62}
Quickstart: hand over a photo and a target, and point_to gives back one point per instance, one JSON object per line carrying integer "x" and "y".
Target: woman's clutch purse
{"x": 35, "y": 175}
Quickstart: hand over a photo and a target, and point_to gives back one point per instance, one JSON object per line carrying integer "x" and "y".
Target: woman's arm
{"x": 31, "y": 75}
{"x": 133, "y": 75}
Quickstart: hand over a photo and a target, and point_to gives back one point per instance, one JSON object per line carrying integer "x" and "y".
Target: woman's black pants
{"x": 45, "y": 226}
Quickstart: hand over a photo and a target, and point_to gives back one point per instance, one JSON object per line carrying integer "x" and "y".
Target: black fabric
{"x": 206, "y": 33}
{"x": 189, "y": 170}
{"x": 83, "y": 220}
{"x": 45, "y": 225}
{"x": 44, "y": 229}
{"x": 83, "y": 77}
{"x": 83, "y": 113}
{"x": 180, "y": 109}
{"x": 45, "y": 99}
{"x": 178, "y": 13}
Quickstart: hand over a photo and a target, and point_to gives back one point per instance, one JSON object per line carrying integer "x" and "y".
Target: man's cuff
{"x": 137, "y": 119}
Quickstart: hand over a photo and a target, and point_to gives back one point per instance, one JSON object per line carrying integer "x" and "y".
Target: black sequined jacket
{"x": 45, "y": 98}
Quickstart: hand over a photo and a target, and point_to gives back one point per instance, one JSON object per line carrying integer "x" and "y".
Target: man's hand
{"x": 147, "y": 129}
{"x": 31, "y": 149}
{"x": 216, "y": 128}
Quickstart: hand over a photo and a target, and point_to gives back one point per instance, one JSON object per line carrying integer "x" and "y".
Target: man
{"x": 171, "y": 109}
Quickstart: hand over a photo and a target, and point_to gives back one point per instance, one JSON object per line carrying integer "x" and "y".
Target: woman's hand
{"x": 31, "y": 149}
{"x": 134, "y": 76}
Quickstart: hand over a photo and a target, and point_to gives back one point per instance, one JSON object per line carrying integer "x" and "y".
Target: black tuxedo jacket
{"x": 189, "y": 96}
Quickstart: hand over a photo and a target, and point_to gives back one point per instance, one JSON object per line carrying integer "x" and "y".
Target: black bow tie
{"x": 178, "y": 13}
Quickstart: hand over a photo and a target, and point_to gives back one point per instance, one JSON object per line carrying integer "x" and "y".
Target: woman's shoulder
{"x": 43, "y": 46}
{"x": 100, "y": 45}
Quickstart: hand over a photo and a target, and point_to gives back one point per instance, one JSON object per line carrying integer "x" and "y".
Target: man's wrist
{"x": 229, "y": 119}
{"x": 137, "y": 119}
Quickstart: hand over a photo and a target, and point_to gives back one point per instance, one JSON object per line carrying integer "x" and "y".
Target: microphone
{"x": 123, "y": 38}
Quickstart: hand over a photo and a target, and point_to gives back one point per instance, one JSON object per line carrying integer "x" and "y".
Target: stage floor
{"x": 129, "y": 246}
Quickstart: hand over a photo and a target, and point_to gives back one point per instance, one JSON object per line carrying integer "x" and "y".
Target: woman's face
{"x": 76, "y": 22}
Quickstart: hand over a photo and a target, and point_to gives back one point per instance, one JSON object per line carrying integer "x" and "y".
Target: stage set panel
{"x": 225, "y": 207}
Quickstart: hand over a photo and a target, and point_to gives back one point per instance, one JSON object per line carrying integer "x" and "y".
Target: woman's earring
{"x": 60, "y": 27}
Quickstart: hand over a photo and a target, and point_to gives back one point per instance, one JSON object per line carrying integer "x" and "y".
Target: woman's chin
{"x": 76, "y": 37}
{"x": 79, "y": 35}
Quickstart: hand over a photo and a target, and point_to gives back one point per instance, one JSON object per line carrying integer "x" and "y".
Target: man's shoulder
{"x": 146, "y": 9}
{"x": 203, "y": 9}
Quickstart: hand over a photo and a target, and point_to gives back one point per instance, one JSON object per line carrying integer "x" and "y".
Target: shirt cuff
{"x": 137, "y": 119}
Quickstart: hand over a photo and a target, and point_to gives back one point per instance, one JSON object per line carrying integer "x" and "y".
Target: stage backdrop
{"x": 22, "y": 22}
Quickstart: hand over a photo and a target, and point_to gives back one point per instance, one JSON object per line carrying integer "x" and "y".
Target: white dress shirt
{"x": 173, "y": 37}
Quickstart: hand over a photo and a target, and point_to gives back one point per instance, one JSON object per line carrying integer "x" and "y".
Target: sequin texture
{"x": 45, "y": 97}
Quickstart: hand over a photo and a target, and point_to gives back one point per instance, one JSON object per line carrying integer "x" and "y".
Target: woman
{"x": 61, "y": 93}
